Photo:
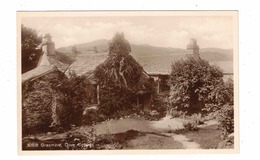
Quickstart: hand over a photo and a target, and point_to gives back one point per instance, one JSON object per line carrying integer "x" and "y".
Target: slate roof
{"x": 36, "y": 73}
{"x": 60, "y": 62}
{"x": 86, "y": 63}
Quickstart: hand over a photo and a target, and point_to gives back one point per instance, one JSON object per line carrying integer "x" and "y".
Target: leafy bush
{"x": 191, "y": 125}
{"x": 198, "y": 118}
{"x": 193, "y": 122}
{"x": 222, "y": 94}
{"x": 79, "y": 93}
{"x": 225, "y": 112}
{"x": 193, "y": 82}
{"x": 226, "y": 119}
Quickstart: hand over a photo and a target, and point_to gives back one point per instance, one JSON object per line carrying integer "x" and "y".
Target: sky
{"x": 167, "y": 31}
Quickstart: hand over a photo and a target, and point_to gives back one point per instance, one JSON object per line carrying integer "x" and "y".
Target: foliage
{"x": 54, "y": 102}
{"x": 119, "y": 45}
{"x": 38, "y": 99}
{"x": 92, "y": 116}
{"x": 226, "y": 112}
{"x": 193, "y": 82}
{"x": 175, "y": 113}
{"x": 79, "y": 93}
{"x": 222, "y": 94}
{"x": 191, "y": 126}
{"x": 108, "y": 72}
{"x": 121, "y": 78}
{"x": 227, "y": 143}
{"x": 30, "y": 56}
{"x": 159, "y": 104}
{"x": 198, "y": 118}
{"x": 193, "y": 122}
{"x": 85, "y": 140}
{"x": 226, "y": 119}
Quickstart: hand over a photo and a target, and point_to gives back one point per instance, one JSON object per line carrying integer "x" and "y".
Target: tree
{"x": 120, "y": 77}
{"x": 119, "y": 45}
{"x": 30, "y": 56}
{"x": 195, "y": 85}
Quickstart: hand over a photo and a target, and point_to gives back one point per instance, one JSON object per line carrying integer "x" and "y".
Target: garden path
{"x": 122, "y": 125}
{"x": 161, "y": 126}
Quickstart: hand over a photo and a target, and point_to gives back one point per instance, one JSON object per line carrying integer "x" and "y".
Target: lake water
{"x": 226, "y": 66}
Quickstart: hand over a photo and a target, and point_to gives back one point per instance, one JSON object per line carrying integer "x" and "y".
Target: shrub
{"x": 198, "y": 118}
{"x": 193, "y": 122}
{"x": 192, "y": 83}
{"x": 222, "y": 94}
{"x": 226, "y": 108}
{"x": 79, "y": 93}
{"x": 226, "y": 119}
{"x": 191, "y": 125}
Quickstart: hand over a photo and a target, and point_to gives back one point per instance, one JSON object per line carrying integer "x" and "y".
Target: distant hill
{"x": 216, "y": 54}
{"x": 101, "y": 46}
{"x": 156, "y": 59}
{"x": 210, "y": 54}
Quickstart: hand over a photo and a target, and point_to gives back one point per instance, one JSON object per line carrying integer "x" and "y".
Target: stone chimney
{"x": 193, "y": 49}
{"x": 48, "y": 49}
{"x": 48, "y": 45}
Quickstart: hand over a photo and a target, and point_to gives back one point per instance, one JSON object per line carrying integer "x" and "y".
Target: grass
{"x": 123, "y": 125}
{"x": 208, "y": 137}
{"x": 135, "y": 133}
{"x": 152, "y": 141}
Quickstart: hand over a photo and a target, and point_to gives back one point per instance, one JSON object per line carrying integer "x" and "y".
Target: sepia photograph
{"x": 164, "y": 81}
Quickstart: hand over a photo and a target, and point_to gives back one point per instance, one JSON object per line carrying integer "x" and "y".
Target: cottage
{"x": 85, "y": 64}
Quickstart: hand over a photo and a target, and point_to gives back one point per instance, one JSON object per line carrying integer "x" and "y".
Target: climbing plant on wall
{"x": 120, "y": 77}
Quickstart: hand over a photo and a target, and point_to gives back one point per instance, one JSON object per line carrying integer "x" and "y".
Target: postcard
{"x": 115, "y": 82}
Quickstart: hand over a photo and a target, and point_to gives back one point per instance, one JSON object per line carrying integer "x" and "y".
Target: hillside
{"x": 210, "y": 54}
{"x": 156, "y": 59}
{"x": 87, "y": 47}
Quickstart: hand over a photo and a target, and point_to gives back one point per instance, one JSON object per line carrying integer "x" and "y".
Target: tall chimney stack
{"x": 193, "y": 49}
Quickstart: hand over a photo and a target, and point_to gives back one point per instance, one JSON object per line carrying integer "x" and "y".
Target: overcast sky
{"x": 171, "y": 31}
